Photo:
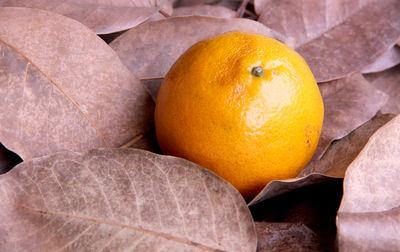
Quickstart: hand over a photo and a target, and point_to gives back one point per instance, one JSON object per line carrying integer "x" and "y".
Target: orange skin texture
{"x": 249, "y": 130}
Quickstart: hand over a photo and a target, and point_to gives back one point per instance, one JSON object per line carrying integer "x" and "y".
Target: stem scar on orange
{"x": 242, "y": 105}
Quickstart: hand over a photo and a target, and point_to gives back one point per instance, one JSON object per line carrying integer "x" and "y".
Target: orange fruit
{"x": 242, "y": 105}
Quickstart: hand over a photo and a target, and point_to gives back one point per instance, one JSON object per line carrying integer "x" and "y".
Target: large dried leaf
{"x": 349, "y": 102}
{"x": 150, "y": 49}
{"x": 389, "y": 82}
{"x": 63, "y": 88}
{"x": 336, "y": 37}
{"x": 121, "y": 199}
{"x": 368, "y": 218}
{"x": 205, "y": 10}
{"x": 386, "y": 61}
{"x": 98, "y": 17}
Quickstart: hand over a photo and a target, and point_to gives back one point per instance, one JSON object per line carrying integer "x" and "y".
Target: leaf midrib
{"x": 123, "y": 226}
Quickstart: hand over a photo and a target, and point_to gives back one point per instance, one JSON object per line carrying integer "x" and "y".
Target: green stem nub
{"x": 258, "y": 71}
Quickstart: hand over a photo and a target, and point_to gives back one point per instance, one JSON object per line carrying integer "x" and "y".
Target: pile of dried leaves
{"x": 65, "y": 93}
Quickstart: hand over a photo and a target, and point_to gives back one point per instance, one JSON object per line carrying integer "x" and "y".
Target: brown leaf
{"x": 349, "y": 102}
{"x": 286, "y": 237}
{"x": 150, "y": 49}
{"x": 386, "y": 61}
{"x": 205, "y": 10}
{"x": 389, "y": 82}
{"x": 339, "y": 39}
{"x": 368, "y": 218}
{"x": 341, "y": 153}
{"x": 120, "y": 199}
{"x": 100, "y": 18}
{"x": 372, "y": 179}
{"x": 65, "y": 89}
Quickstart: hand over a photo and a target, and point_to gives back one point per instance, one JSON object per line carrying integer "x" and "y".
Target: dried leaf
{"x": 386, "y": 61}
{"x": 349, "y": 102}
{"x": 339, "y": 39}
{"x": 65, "y": 89}
{"x": 121, "y": 199}
{"x": 371, "y": 195}
{"x": 286, "y": 237}
{"x": 205, "y": 10}
{"x": 372, "y": 178}
{"x": 101, "y": 19}
{"x": 341, "y": 153}
{"x": 150, "y": 49}
{"x": 389, "y": 82}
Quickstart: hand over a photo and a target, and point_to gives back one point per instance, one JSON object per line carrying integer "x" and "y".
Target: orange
{"x": 242, "y": 105}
